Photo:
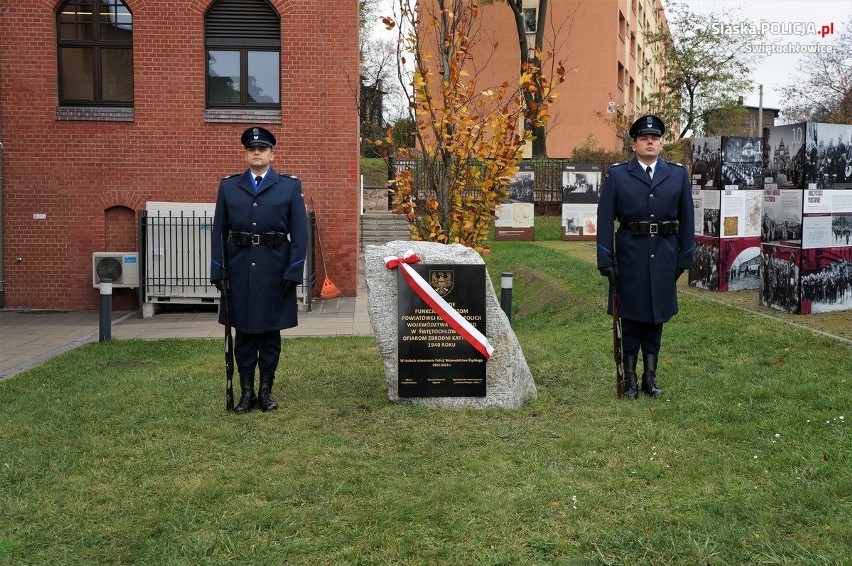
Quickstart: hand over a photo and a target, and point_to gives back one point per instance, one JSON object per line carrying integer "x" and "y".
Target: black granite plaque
{"x": 434, "y": 359}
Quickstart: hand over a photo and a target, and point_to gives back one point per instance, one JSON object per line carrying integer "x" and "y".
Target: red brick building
{"x": 108, "y": 104}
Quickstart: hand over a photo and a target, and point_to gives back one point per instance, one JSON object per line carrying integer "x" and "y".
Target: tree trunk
{"x": 539, "y": 143}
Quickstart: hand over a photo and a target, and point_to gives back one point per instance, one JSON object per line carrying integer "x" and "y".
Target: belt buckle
{"x": 255, "y": 239}
{"x": 653, "y": 228}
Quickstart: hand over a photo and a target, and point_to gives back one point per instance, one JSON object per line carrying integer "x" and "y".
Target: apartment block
{"x": 611, "y": 67}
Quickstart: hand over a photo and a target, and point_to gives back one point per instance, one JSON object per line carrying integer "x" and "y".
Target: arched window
{"x": 95, "y": 53}
{"x": 243, "y": 43}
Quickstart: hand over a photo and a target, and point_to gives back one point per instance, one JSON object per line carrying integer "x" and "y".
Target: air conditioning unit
{"x": 121, "y": 267}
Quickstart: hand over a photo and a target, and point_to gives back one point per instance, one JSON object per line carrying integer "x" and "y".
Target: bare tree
{"x": 380, "y": 98}
{"x": 706, "y": 66}
{"x": 379, "y": 70}
{"x": 823, "y": 90}
{"x": 368, "y": 13}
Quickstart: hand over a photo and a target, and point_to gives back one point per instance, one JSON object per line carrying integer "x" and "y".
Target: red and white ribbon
{"x": 425, "y": 291}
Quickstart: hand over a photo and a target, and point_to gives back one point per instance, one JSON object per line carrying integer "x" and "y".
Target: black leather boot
{"x": 248, "y": 400}
{"x": 649, "y": 375}
{"x": 629, "y": 364}
{"x": 265, "y": 400}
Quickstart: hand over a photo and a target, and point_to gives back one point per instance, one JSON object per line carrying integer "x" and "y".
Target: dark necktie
{"x": 257, "y": 181}
{"x": 648, "y": 170}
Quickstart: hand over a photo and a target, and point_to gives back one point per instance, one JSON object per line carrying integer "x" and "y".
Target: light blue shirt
{"x": 254, "y": 182}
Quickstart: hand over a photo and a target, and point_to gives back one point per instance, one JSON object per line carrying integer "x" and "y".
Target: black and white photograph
{"x": 742, "y": 162}
{"x": 581, "y": 183}
{"x": 782, "y": 215}
{"x": 841, "y": 229}
{"x": 522, "y": 187}
{"x": 711, "y": 222}
{"x": 784, "y": 155}
{"x": 704, "y": 272}
{"x": 740, "y": 259}
{"x": 779, "y": 277}
{"x": 724, "y": 265}
{"x": 530, "y": 20}
{"x": 829, "y": 152}
{"x": 711, "y": 210}
{"x": 826, "y": 280}
{"x": 706, "y": 161}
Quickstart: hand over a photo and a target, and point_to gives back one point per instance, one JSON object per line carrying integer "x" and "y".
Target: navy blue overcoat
{"x": 647, "y": 265}
{"x": 257, "y": 272}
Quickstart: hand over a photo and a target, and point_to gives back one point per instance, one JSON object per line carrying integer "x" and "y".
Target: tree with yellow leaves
{"x": 469, "y": 140}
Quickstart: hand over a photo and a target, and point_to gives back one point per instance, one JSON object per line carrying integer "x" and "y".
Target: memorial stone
{"x": 508, "y": 381}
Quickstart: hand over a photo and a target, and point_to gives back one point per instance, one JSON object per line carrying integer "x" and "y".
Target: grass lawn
{"x": 121, "y": 453}
{"x": 375, "y": 171}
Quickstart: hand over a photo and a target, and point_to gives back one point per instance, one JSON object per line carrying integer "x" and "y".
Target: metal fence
{"x": 175, "y": 263}
{"x": 176, "y": 244}
{"x": 547, "y": 175}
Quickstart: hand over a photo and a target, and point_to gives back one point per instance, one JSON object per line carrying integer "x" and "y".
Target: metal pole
{"x": 105, "y": 326}
{"x": 143, "y": 259}
{"x": 506, "y": 293}
{"x": 760, "y": 114}
{"x": 2, "y": 277}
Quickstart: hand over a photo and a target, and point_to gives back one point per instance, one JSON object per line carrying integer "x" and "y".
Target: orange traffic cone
{"x": 329, "y": 289}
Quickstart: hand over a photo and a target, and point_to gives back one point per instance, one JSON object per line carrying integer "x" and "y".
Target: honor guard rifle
{"x": 617, "y": 350}
{"x": 229, "y": 341}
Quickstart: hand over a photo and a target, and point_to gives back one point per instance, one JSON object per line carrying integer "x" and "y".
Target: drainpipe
{"x": 2, "y": 280}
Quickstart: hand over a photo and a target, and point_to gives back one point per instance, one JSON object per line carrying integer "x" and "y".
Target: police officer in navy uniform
{"x": 261, "y": 218}
{"x": 649, "y": 249}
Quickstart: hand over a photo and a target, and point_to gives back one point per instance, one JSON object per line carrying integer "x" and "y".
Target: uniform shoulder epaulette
{"x": 291, "y": 176}
{"x": 675, "y": 163}
{"x": 229, "y": 176}
{"x": 619, "y": 163}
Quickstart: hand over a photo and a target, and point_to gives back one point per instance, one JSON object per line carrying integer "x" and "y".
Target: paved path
{"x": 29, "y": 337}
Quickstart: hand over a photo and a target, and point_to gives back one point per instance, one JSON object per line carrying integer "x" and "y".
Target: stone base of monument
{"x": 508, "y": 381}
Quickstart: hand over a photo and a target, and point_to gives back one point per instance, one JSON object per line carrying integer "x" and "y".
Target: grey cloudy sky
{"x": 788, "y": 25}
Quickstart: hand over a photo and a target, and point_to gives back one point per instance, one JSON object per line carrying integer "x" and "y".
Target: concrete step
{"x": 382, "y": 227}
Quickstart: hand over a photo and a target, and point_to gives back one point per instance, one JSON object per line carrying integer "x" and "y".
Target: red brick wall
{"x": 77, "y": 171}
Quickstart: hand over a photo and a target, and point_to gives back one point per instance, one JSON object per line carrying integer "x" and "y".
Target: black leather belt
{"x": 271, "y": 239}
{"x": 668, "y": 228}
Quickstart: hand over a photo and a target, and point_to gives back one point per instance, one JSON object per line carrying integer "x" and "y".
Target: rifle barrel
{"x": 229, "y": 341}
{"x": 617, "y": 350}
